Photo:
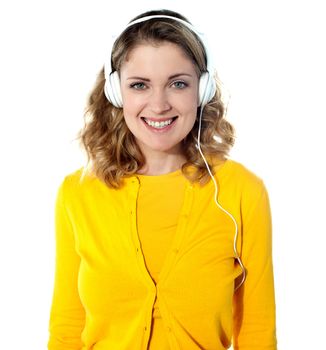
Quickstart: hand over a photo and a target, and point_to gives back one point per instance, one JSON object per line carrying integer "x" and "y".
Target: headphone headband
{"x": 202, "y": 37}
{"x": 207, "y": 87}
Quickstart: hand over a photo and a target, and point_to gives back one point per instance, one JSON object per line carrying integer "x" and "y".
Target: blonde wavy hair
{"x": 111, "y": 149}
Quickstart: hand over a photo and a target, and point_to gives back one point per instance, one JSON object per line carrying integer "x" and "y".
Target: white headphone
{"x": 207, "y": 85}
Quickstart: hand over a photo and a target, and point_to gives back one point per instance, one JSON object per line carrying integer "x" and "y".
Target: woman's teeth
{"x": 158, "y": 125}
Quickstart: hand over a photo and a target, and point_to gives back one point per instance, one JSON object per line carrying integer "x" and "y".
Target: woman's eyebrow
{"x": 179, "y": 74}
{"x": 138, "y": 78}
{"x": 171, "y": 77}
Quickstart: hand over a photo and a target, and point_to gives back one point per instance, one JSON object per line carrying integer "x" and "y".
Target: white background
{"x": 270, "y": 56}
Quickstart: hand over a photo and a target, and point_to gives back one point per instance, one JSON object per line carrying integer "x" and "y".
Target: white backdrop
{"x": 270, "y": 56}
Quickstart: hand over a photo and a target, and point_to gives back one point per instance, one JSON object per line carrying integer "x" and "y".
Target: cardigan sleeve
{"x": 67, "y": 316}
{"x": 254, "y": 302}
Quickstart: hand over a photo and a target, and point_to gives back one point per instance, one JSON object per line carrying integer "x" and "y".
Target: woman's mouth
{"x": 159, "y": 125}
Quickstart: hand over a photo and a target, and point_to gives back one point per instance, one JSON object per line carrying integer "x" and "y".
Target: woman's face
{"x": 159, "y": 88}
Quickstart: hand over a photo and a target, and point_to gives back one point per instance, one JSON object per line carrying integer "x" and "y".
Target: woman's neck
{"x": 162, "y": 164}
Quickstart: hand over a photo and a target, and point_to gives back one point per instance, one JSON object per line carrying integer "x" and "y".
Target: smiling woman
{"x": 162, "y": 242}
{"x": 113, "y": 151}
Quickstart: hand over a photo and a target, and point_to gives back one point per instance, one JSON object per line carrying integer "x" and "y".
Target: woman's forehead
{"x": 164, "y": 57}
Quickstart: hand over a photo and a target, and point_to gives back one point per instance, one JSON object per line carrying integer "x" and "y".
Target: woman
{"x": 162, "y": 242}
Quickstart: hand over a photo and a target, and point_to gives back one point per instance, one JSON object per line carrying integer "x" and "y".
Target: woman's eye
{"x": 180, "y": 84}
{"x": 138, "y": 86}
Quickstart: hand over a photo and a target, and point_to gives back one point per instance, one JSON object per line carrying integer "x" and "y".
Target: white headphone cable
{"x": 215, "y": 199}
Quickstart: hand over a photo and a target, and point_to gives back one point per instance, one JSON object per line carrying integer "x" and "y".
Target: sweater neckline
{"x": 219, "y": 168}
{"x": 160, "y": 177}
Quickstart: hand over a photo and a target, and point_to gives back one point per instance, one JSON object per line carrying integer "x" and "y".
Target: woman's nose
{"x": 159, "y": 102}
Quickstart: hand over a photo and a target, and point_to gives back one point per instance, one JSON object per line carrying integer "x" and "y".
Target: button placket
{"x": 135, "y": 239}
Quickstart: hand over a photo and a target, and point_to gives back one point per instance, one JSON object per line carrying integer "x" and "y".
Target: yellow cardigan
{"x": 103, "y": 294}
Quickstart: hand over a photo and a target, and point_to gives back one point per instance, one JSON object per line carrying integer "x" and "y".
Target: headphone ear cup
{"x": 207, "y": 89}
{"x": 112, "y": 89}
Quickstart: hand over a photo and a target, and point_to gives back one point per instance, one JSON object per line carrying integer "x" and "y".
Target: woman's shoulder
{"x": 76, "y": 179}
{"x": 75, "y": 176}
{"x": 237, "y": 181}
{"x": 238, "y": 173}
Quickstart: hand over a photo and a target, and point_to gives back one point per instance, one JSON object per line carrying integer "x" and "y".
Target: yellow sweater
{"x": 107, "y": 281}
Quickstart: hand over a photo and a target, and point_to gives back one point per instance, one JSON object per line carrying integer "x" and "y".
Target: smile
{"x": 159, "y": 124}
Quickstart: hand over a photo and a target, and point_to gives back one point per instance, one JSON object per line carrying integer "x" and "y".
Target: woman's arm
{"x": 67, "y": 317}
{"x": 254, "y": 301}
